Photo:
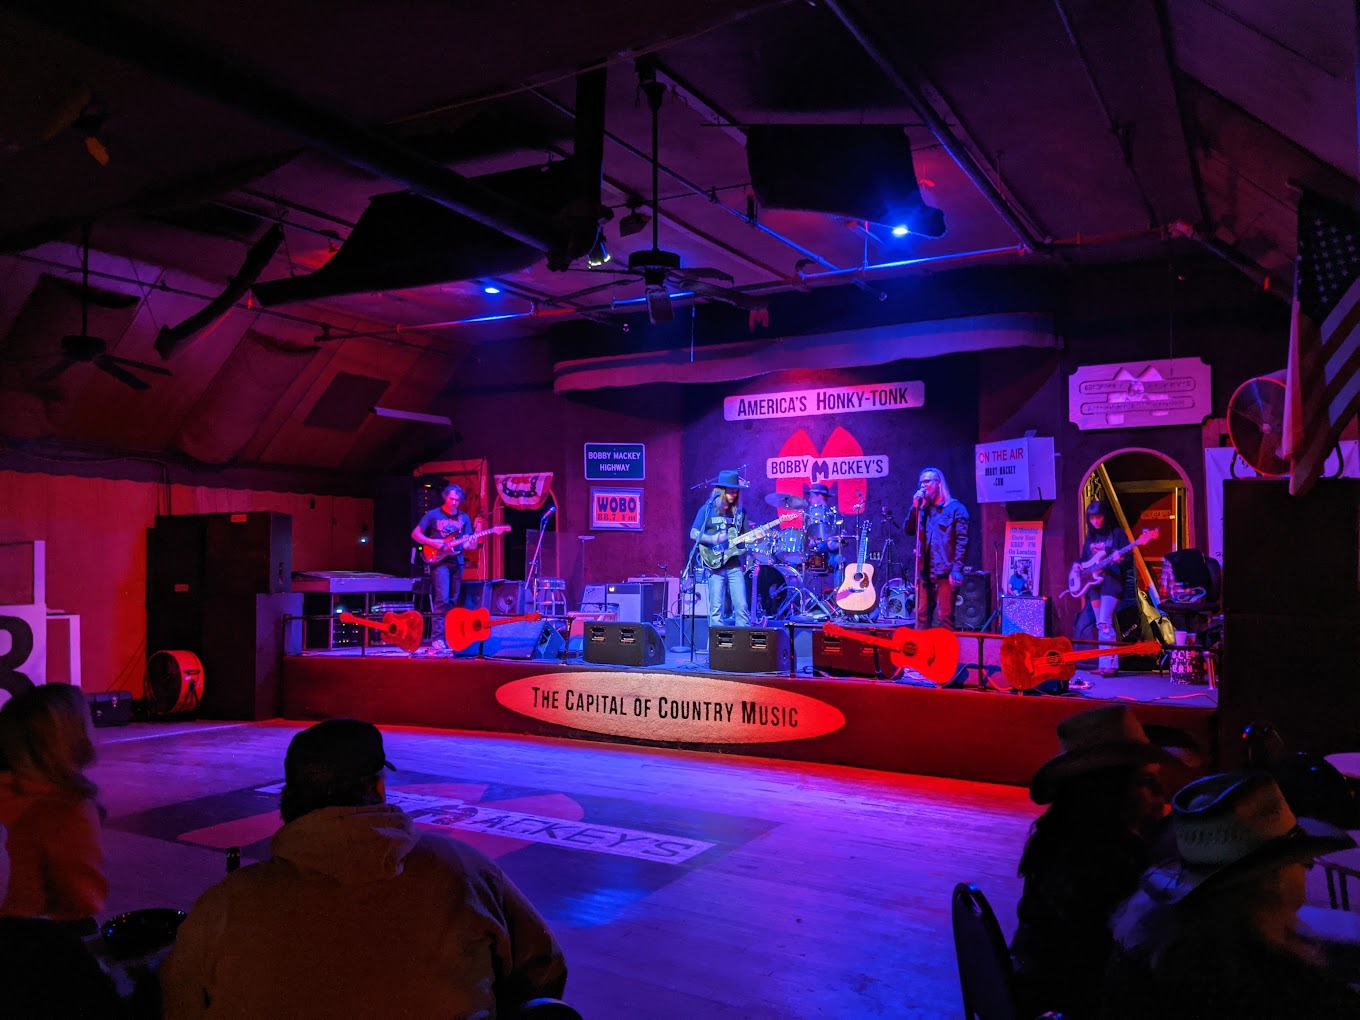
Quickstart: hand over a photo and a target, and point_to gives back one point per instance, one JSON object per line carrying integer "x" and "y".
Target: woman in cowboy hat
{"x": 1084, "y": 856}
{"x": 1215, "y": 933}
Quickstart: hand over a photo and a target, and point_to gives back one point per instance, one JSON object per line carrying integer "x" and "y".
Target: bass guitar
{"x": 856, "y": 594}
{"x": 715, "y": 556}
{"x": 1028, "y": 661}
{"x": 401, "y": 629}
{"x": 455, "y": 544}
{"x": 933, "y": 653}
{"x": 1085, "y": 576}
{"x": 465, "y": 627}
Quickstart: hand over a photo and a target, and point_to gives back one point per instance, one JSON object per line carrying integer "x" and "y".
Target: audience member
{"x": 1084, "y": 856}
{"x": 1216, "y": 932}
{"x": 357, "y": 914}
{"x": 49, "y": 806}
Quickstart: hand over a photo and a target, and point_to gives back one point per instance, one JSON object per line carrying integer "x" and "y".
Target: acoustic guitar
{"x": 715, "y": 556}
{"x": 401, "y": 629}
{"x": 933, "y": 653}
{"x": 455, "y": 544}
{"x": 1086, "y": 575}
{"x": 857, "y": 594}
{"x": 1028, "y": 661}
{"x": 465, "y": 627}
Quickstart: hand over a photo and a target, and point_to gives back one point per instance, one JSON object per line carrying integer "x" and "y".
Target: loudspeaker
{"x": 637, "y": 602}
{"x": 475, "y": 594}
{"x": 525, "y": 639}
{"x": 623, "y": 644}
{"x": 174, "y": 558}
{"x": 506, "y": 598}
{"x": 110, "y": 708}
{"x": 749, "y": 649}
{"x": 841, "y": 656}
{"x": 1024, "y": 614}
{"x": 249, "y": 553}
{"x": 973, "y": 601}
{"x": 678, "y": 632}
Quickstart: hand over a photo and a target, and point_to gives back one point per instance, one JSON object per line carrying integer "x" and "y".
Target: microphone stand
{"x": 693, "y": 597}
{"x": 531, "y": 575}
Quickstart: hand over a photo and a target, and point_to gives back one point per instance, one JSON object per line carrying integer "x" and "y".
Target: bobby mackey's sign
{"x": 890, "y": 396}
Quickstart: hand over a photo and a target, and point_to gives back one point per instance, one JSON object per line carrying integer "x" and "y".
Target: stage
{"x": 909, "y": 726}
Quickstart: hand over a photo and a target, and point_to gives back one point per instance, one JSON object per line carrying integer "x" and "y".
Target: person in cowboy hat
{"x": 1084, "y": 855}
{"x": 1215, "y": 931}
{"x": 718, "y": 521}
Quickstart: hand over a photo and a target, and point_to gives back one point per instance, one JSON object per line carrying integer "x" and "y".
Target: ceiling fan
{"x": 82, "y": 348}
{"x": 658, "y": 269}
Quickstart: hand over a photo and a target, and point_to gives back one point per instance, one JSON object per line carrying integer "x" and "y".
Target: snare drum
{"x": 788, "y": 547}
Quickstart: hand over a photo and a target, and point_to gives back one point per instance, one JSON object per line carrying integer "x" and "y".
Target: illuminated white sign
{"x": 895, "y": 396}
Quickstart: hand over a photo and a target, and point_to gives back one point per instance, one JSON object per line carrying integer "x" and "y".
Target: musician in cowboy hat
{"x": 1084, "y": 855}
{"x": 1216, "y": 931}
{"x": 718, "y": 521}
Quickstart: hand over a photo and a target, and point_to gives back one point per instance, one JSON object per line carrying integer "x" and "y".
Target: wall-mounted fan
{"x": 82, "y": 348}
{"x": 661, "y": 270}
{"x": 1256, "y": 423}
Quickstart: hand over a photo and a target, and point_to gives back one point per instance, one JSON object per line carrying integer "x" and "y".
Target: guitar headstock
{"x": 1147, "y": 535}
{"x": 499, "y": 529}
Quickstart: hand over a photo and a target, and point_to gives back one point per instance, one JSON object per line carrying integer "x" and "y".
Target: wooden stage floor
{"x": 906, "y": 727}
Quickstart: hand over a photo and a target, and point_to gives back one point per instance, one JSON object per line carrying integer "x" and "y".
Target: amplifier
{"x": 110, "y": 708}
{"x": 1024, "y": 614}
{"x": 632, "y": 602}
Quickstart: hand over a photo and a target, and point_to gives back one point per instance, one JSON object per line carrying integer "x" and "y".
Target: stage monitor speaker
{"x": 678, "y": 632}
{"x": 525, "y": 639}
{"x": 507, "y": 598}
{"x": 842, "y": 656}
{"x": 973, "y": 601}
{"x": 475, "y": 594}
{"x": 749, "y": 649}
{"x": 1024, "y": 614}
{"x": 623, "y": 644}
{"x": 249, "y": 553}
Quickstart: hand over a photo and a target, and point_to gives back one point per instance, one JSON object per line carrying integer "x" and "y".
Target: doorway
{"x": 1146, "y": 491}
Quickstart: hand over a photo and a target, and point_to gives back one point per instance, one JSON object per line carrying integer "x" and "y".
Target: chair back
{"x": 986, "y": 976}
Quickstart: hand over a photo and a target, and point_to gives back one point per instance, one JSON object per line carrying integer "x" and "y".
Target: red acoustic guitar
{"x": 401, "y": 629}
{"x": 933, "y": 653}
{"x": 1028, "y": 661}
{"x": 465, "y": 627}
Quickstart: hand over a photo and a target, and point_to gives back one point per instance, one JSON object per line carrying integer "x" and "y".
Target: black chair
{"x": 1194, "y": 583}
{"x": 986, "y": 976}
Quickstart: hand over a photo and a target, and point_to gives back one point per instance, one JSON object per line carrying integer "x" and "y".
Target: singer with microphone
{"x": 447, "y": 531}
{"x": 718, "y": 521}
{"x": 941, "y": 525}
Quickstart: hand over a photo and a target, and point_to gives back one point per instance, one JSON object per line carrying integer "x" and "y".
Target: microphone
{"x": 549, "y": 512}
{"x": 741, "y": 474}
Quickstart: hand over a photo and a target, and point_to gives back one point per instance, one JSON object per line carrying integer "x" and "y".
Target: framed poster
{"x": 615, "y": 509}
{"x": 1024, "y": 556}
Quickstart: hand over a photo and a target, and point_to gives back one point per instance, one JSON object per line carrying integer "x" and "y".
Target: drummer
{"x": 822, "y": 525}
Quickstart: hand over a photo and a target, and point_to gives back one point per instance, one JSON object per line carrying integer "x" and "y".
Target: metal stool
{"x": 550, "y": 598}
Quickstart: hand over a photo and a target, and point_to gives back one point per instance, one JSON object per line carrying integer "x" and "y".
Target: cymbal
{"x": 783, "y": 501}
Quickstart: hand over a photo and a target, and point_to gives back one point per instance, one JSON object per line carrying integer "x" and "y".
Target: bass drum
{"x": 772, "y": 583}
{"x": 173, "y": 682}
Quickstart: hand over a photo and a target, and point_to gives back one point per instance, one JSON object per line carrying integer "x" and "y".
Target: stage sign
{"x": 1024, "y": 556}
{"x": 670, "y": 707}
{"x": 616, "y": 462}
{"x": 1172, "y": 391}
{"x": 893, "y": 396}
{"x": 1014, "y": 470}
{"x": 615, "y": 509}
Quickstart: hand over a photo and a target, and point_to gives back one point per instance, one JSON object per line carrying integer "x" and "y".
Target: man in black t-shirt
{"x": 445, "y": 531}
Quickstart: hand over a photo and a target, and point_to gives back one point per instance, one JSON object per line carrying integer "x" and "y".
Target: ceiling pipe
{"x": 205, "y": 72}
{"x": 1004, "y": 207}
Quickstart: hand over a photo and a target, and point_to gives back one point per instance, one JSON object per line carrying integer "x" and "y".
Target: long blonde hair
{"x": 945, "y": 495}
{"x": 45, "y": 734}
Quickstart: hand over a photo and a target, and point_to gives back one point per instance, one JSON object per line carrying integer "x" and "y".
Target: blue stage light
{"x": 488, "y": 289}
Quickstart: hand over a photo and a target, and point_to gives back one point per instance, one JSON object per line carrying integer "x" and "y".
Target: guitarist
{"x": 439, "y": 529}
{"x": 1102, "y": 537}
{"x": 718, "y": 521}
{"x": 941, "y": 525}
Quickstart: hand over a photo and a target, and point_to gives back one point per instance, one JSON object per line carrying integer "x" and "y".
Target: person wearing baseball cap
{"x": 1215, "y": 932}
{"x": 355, "y": 912}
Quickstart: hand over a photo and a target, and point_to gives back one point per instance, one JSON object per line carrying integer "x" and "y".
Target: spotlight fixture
{"x": 636, "y": 221}
{"x": 490, "y": 289}
{"x": 900, "y": 231}
{"x": 598, "y": 255}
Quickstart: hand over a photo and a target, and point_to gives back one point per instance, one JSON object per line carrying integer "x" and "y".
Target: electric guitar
{"x": 857, "y": 594}
{"x": 933, "y": 653}
{"x": 715, "y": 556}
{"x": 456, "y": 543}
{"x": 465, "y": 627}
{"x": 1028, "y": 661}
{"x": 401, "y": 629}
{"x": 1085, "y": 576}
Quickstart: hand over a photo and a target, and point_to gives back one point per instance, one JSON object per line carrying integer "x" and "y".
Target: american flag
{"x": 1322, "y": 382}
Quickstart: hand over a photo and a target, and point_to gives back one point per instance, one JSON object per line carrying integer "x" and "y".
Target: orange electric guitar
{"x": 1028, "y": 661}
{"x": 456, "y": 543}
{"x": 401, "y": 629}
{"x": 465, "y": 627}
{"x": 933, "y": 653}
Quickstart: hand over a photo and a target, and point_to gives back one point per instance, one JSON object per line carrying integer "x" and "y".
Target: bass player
{"x": 719, "y": 520}
{"x": 1103, "y": 537}
{"x": 445, "y": 529}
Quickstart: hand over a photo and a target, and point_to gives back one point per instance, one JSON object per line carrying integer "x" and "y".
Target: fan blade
{"x": 726, "y": 296}
{"x": 705, "y": 273}
{"x": 54, "y": 373}
{"x": 578, "y": 294}
{"x": 106, "y": 364}
{"x": 144, "y": 366}
{"x": 659, "y": 307}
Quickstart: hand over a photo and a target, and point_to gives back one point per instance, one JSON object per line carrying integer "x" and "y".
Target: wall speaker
{"x": 1024, "y": 614}
{"x": 525, "y": 639}
{"x": 623, "y": 644}
{"x": 507, "y": 598}
{"x": 749, "y": 649}
{"x": 973, "y": 601}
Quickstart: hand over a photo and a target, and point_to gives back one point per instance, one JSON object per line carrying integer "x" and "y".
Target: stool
{"x": 550, "y": 598}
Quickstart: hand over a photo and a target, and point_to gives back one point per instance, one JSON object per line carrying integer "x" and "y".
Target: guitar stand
{"x": 983, "y": 670}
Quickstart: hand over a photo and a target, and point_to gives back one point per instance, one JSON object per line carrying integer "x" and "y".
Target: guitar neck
{"x": 1140, "y": 648}
{"x": 873, "y": 640}
{"x": 351, "y": 618}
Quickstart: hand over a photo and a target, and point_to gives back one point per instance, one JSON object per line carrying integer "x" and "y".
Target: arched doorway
{"x": 1146, "y": 490}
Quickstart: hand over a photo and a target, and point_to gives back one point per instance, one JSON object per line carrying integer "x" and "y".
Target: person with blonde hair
{"x": 1216, "y": 932}
{"x": 941, "y": 526}
{"x": 50, "y": 806}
